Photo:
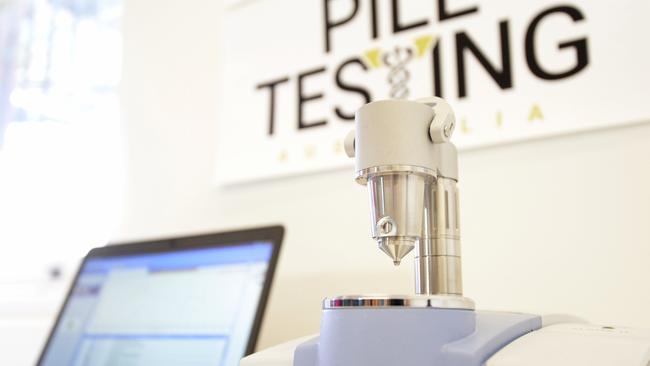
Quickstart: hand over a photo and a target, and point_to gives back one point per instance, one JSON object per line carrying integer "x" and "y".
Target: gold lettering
{"x": 464, "y": 127}
{"x": 283, "y": 155}
{"x": 310, "y": 151}
{"x": 338, "y": 147}
{"x": 535, "y": 113}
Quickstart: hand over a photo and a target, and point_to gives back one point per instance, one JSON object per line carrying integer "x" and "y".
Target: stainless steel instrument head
{"x": 403, "y": 156}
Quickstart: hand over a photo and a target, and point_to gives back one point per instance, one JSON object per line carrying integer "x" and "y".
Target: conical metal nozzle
{"x": 396, "y": 248}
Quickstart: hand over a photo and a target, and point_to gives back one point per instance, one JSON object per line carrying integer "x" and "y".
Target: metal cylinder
{"x": 437, "y": 258}
{"x": 397, "y": 204}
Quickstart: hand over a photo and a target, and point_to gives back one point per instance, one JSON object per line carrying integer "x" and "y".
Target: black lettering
{"x": 580, "y": 46}
{"x": 398, "y": 26}
{"x": 351, "y": 88}
{"x": 302, "y": 99}
{"x": 444, "y": 14}
{"x": 373, "y": 19}
{"x": 437, "y": 70}
{"x": 502, "y": 77}
{"x": 331, "y": 24}
{"x": 271, "y": 85}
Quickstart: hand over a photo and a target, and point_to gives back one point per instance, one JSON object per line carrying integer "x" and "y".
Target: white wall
{"x": 557, "y": 225}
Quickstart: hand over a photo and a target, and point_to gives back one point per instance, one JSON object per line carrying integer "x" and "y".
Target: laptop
{"x": 185, "y": 301}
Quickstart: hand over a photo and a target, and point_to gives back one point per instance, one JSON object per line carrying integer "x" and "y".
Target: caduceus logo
{"x": 397, "y": 60}
{"x": 398, "y": 76}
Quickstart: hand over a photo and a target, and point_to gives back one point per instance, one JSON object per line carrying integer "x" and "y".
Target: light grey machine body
{"x": 403, "y": 155}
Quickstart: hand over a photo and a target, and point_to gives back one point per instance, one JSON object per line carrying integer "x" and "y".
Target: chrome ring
{"x": 362, "y": 175}
{"x": 389, "y": 301}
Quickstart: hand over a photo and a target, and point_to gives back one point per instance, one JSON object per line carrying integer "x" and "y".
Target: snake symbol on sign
{"x": 396, "y": 60}
{"x": 398, "y": 76}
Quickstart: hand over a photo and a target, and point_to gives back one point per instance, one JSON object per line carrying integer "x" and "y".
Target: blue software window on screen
{"x": 191, "y": 307}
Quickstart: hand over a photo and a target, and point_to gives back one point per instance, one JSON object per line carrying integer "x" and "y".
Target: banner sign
{"x": 295, "y": 71}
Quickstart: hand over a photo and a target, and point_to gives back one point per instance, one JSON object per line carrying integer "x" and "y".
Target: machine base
{"x": 404, "y": 336}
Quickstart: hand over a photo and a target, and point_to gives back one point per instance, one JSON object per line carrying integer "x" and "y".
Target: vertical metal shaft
{"x": 438, "y": 260}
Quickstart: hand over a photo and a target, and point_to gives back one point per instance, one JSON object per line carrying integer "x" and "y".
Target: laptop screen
{"x": 189, "y": 307}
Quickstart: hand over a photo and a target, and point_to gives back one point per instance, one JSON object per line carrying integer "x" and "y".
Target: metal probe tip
{"x": 395, "y": 248}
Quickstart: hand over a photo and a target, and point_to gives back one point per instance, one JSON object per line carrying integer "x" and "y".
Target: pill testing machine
{"x": 403, "y": 155}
